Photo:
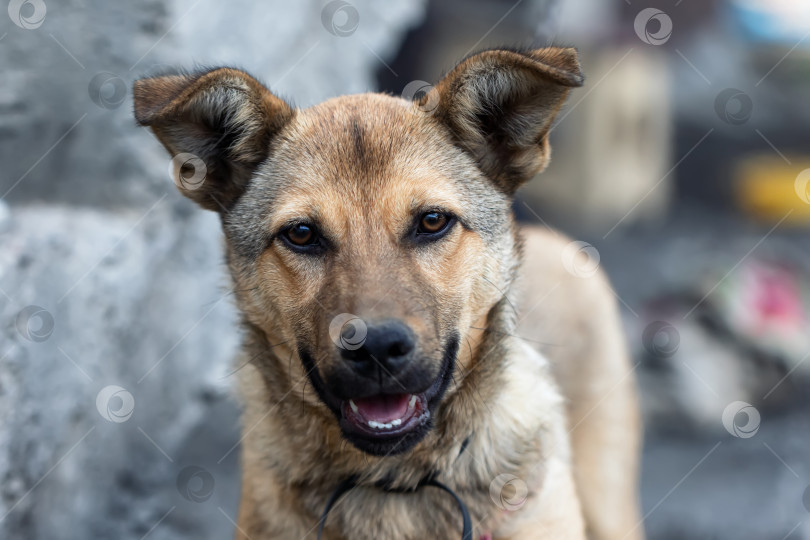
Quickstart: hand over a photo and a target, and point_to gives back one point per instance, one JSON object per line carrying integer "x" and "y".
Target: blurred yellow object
{"x": 767, "y": 188}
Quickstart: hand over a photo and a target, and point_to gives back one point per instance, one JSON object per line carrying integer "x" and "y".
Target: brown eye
{"x": 301, "y": 234}
{"x": 432, "y": 223}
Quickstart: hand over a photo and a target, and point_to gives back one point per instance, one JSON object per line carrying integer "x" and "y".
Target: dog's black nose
{"x": 387, "y": 345}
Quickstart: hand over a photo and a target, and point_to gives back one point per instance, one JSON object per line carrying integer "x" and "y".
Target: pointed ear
{"x": 217, "y": 125}
{"x": 499, "y": 106}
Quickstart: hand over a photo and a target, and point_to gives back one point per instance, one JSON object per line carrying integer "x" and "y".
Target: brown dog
{"x": 375, "y": 261}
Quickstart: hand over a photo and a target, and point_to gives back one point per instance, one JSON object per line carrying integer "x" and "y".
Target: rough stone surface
{"x": 136, "y": 302}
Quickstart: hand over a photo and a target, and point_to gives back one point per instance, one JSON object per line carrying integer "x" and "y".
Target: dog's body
{"x": 399, "y": 214}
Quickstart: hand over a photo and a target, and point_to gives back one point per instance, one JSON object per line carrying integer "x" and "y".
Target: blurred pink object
{"x": 772, "y": 300}
{"x": 767, "y": 302}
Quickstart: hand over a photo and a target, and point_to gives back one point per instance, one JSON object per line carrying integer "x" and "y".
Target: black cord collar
{"x": 351, "y": 482}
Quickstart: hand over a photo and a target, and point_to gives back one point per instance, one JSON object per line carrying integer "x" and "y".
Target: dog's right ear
{"x": 217, "y": 125}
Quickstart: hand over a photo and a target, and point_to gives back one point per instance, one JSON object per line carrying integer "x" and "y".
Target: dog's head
{"x": 370, "y": 234}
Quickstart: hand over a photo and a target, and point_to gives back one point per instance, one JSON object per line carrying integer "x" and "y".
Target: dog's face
{"x": 369, "y": 235}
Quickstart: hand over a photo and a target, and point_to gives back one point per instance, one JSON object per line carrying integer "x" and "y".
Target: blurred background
{"x": 682, "y": 165}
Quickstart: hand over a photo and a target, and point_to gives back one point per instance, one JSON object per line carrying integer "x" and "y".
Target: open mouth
{"x": 385, "y": 415}
{"x": 386, "y": 423}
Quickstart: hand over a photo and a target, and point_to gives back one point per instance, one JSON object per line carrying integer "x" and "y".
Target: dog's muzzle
{"x": 384, "y": 392}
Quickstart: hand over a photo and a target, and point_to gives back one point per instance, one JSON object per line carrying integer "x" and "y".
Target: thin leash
{"x": 351, "y": 482}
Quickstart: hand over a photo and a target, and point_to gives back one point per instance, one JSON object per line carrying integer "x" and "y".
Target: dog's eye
{"x": 301, "y": 235}
{"x": 433, "y": 224}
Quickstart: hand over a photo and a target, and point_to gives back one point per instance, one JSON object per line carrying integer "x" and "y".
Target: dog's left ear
{"x": 499, "y": 106}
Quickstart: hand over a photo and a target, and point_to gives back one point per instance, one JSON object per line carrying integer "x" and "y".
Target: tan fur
{"x": 574, "y": 322}
{"x": 362, "y": 168}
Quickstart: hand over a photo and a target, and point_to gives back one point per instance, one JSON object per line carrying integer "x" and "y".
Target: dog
{"x": 405, "y": 376}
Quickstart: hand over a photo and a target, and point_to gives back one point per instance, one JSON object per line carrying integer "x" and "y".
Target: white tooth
{"x": 373, "y": 424}
{"x": 353, "y": 406}
{"x": 412, "y": 403}
{"x": 396, "y": 422}
{"x": 388, "y": 426}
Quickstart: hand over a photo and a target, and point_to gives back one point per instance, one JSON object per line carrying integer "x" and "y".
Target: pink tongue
{"x": 383, "y": 408}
